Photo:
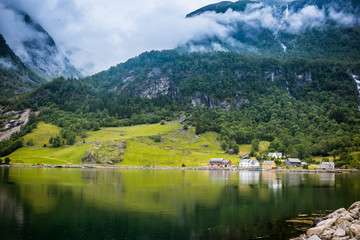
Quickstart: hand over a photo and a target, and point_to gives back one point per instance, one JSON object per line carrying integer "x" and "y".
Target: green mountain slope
{"x": 313, "y": 29}
{"x": 304, "y": 107}
{"x": 298, "y": 86}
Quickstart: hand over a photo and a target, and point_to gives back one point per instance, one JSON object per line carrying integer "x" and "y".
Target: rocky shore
{"x": 340, "y": 225}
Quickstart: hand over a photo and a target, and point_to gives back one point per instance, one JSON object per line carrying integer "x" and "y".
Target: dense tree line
{"x": 304, "y": 108}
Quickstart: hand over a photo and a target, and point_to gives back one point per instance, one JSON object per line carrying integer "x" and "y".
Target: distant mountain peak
{"x": 15, "y": 77}
{"x": 303, "y": 28}
{"x": 38, "y": 49}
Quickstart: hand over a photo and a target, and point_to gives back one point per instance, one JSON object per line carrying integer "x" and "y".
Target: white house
{"x": 327, "y": 166}
{"x": 275, "y": 155}
{"x": 248, "y": 163}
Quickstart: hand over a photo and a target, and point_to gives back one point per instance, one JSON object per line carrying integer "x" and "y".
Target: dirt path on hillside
{"x": 24, "y": 118}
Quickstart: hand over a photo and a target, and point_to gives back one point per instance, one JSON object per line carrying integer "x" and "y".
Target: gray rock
{"x": 341, "y": 238}
{"x": 314, "y": 237}
{"x": 315, "y": 230}
{"x": 355, "y": 229}
{"x": 327, "y": 223}
{"x": 354, "y": 205}
{"x": 329, "y": 231}
{"x": 339, "y": 232}
{"x": 355, "y": 213}
{"x": 341, "y": 223}
{"x": 356, "y": 222}
{"x": 347, "y": 218}
{"x": 337, "y": 213}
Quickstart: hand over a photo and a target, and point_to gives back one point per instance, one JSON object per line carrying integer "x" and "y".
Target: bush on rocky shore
{"x": 340, "y": 225}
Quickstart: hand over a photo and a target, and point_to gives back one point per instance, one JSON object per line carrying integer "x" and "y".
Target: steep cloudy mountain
{"x": 15, "y": 77}
{"x": 34, "y": 46}
{"x": 311, "y": 28}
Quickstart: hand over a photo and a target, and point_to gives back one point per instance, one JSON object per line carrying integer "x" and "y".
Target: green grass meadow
{"x": 176, "y": 147}
{"x": 42, "y": 134}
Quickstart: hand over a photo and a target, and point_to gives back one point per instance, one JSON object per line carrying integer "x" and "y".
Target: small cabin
{"x": 268, "y": 164}
{"x": 292, "y": 162}
{"x": 248, "y": 163}
{"x": 219, "y": 162}
{"x": 276, "y": 155}
{"x": 327, "y": 166}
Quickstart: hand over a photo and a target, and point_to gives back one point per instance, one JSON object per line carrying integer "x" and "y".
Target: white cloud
{"x": 98, "y": 34}
{"x": 255, "y": 15}
{"x": 341, "y": 18}
{"x": 308, "y": 17}
{"x": 6, "y": 63}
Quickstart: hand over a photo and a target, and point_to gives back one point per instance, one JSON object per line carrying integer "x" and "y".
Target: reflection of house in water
{"x": 220, "y": 176}
{"x": 293, "y": 179}
{"x": 249, "y": 177}
{"x": 271, "y": 179}
{"x": 327, "y": 179}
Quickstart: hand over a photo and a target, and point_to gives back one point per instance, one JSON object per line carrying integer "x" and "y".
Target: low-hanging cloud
{"x": 308, "y": 17}
{"x": 341, "y": 18}
{"x": 267, "y": 16}
{"x": 98, "y": 34}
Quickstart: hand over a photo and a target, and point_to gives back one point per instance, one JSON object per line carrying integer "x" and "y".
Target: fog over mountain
{"x": 95, "y": 35}
{"x": 244, "y": 24}
{"x": 98, "y": 34}
{"x": 35, "y": 47}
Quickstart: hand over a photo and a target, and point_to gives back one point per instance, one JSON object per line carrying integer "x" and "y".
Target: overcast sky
{"x": 98, "y": 34}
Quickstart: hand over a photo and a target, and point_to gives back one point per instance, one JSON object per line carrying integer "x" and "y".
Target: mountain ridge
{"x": 305, "y": 103}
{"x": 308, "y": 28}
{"x": 15, "y": 77}
{"x": 38, "y": 50}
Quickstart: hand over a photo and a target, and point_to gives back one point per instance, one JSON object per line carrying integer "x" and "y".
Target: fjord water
{"x": 43, "y": 203}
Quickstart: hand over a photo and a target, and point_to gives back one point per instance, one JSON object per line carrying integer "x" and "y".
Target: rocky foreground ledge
{"x": 340, "y": 225}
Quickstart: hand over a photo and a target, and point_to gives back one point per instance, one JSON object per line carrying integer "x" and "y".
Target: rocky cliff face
{"x": 154, "y": 87}
{"x": 15, "y": 77}
{"x": 36, "y": 48}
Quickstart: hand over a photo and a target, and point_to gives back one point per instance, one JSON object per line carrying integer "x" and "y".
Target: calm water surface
{"x": 41, "y": 203}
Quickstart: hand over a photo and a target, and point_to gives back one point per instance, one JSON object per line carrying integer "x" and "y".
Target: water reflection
{"x": 249, "y": 177}
{"x": 163, "y": 204}
{"x": 219, "y": 176}
{"x": 11, "y": 208}
{"x": 327, "y": 179}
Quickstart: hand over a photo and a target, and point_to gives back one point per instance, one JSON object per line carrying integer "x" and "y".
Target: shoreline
{"x": 342, "y": 224}
{"x": 84, "y": 166}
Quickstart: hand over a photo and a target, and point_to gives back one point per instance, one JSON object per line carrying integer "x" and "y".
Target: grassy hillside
{"x": 42, "y": 133}
{"x": 173, "y": 147}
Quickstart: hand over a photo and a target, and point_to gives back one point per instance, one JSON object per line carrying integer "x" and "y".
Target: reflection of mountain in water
{"x": 163, "y": 204}
{"x": 11, "y": 207}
